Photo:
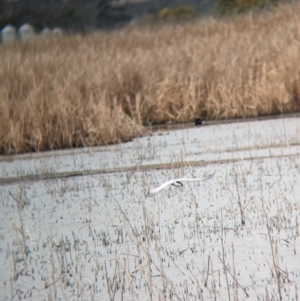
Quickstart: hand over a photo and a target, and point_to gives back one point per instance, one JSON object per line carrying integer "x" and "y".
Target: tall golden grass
{"x": 103, "y": 87}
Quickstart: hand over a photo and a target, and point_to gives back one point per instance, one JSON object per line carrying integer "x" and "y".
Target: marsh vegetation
{"x": 102, "y": 88}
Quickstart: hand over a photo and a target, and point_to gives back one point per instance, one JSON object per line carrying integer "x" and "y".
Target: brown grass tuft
{"x": 101, "y": 88}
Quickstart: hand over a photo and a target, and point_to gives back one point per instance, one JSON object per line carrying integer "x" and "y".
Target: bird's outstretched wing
{"x": 176, "y": 182}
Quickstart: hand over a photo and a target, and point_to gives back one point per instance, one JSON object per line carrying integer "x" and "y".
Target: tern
{"x": 176, "y": 183}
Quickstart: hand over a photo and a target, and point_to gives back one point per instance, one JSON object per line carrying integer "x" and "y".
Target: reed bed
{"x": 102, "y": 88}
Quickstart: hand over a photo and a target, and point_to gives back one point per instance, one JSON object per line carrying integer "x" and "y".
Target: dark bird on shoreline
{"x": 198, "y": 121}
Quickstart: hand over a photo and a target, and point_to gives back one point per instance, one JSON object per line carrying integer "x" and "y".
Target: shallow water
{"x": 216, "y": 142}
{"x": 96, "y": 237}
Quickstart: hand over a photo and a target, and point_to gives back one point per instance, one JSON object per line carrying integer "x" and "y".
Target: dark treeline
{"x": 81, "y": 15}
{"x": 76, "y": 15}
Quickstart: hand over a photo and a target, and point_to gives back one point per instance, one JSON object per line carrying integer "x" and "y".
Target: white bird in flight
{"x": 176, "y": 183}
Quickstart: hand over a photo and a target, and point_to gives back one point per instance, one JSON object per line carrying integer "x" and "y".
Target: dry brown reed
{"x": 103, "y": 87}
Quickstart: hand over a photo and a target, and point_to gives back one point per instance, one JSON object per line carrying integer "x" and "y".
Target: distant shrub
{"x": 110, "y": 15}
{"x": 180, "y": 12}
{"x": 73, "y": 17}
{"x": 225, "y": 7}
